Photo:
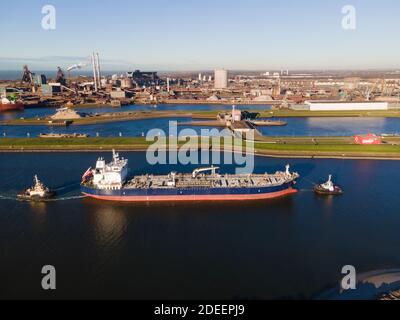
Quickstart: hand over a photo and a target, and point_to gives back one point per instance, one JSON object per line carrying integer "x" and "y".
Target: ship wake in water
{"x": 15, "y": 198}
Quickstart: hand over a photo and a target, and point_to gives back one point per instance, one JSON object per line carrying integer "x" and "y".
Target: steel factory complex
{"x": 297, "y": 90}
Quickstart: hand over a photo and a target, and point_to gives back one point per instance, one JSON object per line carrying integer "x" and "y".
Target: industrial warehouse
{"x": 346, "y": 106}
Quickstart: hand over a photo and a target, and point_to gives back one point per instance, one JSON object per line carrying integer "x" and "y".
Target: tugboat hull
{"x": 322, "y": 191}
{"x": 36, "y": 198}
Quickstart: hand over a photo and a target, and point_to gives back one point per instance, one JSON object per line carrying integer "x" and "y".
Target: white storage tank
{"x": 126, "y": 83}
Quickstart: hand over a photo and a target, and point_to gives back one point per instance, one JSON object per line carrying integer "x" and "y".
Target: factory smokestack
{"x": 98, "y": 70}
{"x": 94, "y": 71}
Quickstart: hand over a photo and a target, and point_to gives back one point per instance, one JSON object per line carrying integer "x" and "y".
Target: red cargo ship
{"x": 11, "y": 107}
{"x": 7, "y": 104}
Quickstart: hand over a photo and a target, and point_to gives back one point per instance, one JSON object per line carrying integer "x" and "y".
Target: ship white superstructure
{"x": 111, "y": 175}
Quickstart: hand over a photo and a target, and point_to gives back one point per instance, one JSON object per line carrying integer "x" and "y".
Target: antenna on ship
{"x": 115, "y": 155}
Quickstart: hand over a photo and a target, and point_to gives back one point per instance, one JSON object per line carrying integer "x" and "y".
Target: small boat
{"x": 269, "y": 123}
{"x": 328, "y": 188}
{"x": 116, "y": 103}
{"x": 38, "y": 192}
{"x": 63, "y": 135}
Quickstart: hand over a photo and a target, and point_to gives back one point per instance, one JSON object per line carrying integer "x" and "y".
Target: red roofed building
{"x": 368, "y": 139}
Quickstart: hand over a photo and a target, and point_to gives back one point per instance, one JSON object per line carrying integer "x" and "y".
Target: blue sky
{"x": 202, "y": 34}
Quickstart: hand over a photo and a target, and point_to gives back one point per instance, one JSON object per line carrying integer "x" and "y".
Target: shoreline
{"x": 257, "y": 154}
{"x": 122, "y": 116}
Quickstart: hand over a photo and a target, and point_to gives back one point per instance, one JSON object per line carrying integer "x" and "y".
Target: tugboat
{"x": 37, "y": 193}
{"x": 328, "y": 188}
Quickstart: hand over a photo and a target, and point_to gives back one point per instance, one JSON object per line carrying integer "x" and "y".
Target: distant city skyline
{"x": 202, "y": 35}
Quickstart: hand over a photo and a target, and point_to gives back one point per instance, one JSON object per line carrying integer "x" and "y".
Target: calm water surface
{"x": 42, "y": 112}
{"x": 313, "y": 126}
{"x": 290, "y": 247}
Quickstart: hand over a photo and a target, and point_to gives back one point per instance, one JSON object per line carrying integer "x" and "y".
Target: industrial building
{"x": 148, "y": 78}
{"x": 345, "y": 106}
{"x": 50, "y": 89}
{"x": 221, "y": 79}
{"x": 40, "y": 79}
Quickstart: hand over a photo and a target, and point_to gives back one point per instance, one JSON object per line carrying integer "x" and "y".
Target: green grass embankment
{"x": 329, "y": 148}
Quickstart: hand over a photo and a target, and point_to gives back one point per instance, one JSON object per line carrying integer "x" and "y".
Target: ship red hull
{"x": 197, "y": 197}
{"x": 11, "y": 107}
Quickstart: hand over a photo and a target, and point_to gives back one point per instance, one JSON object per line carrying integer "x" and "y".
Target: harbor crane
{"x": 27, "y": 75}
{"x": 200, "y": 170}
